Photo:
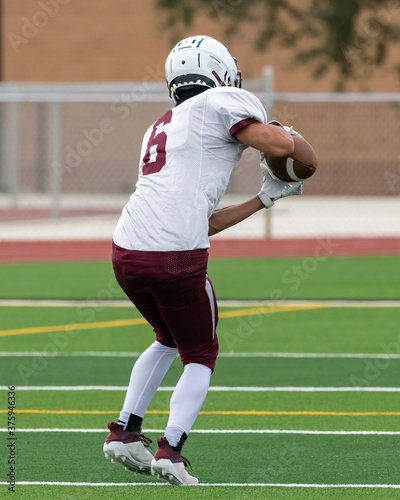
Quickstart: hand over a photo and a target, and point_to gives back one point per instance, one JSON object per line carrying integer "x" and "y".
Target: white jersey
{"x": 187, "y": 158}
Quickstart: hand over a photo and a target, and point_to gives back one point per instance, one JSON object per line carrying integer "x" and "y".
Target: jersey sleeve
{"x": 236, "y": 108}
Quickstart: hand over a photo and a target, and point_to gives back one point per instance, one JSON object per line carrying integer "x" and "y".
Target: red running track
{"x": 58, "y": 251}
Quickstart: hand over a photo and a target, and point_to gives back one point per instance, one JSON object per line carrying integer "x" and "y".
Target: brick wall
{"x": 123, "y": 40}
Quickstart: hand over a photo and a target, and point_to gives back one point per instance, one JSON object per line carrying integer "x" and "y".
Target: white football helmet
{"x": 200, "y": 61}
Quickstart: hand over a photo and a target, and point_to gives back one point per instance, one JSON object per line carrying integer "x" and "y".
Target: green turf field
{"x": 304, "y": 403}
{"x": 294, "y": 278}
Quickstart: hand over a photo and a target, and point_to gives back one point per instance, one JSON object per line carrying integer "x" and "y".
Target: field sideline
{"x": 304, "y": 402}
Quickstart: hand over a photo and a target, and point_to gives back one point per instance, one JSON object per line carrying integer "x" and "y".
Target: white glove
{"x": 291, "y": 131}
{"x": 273, "y": 189}
{"x": 288, "y": 129}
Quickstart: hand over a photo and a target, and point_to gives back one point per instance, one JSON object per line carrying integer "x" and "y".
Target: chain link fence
{"x": 71, "y": 153}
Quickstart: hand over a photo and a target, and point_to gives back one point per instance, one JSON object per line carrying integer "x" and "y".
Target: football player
{"x": 161, "y": 239}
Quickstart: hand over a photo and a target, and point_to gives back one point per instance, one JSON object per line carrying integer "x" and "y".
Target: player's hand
{"x": 274, "y": 189}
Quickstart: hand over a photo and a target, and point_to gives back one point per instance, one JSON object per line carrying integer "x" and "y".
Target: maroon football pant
{"x": 174, "y": 294}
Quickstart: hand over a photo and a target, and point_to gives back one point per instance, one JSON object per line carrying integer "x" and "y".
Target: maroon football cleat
{"x": 128, "y": 448}
{"x": 170, "y": 465}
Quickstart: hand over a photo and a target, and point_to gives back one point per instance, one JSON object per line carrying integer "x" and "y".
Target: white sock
{"x": 187, "y": 400}
{"x": 147, "y": 374}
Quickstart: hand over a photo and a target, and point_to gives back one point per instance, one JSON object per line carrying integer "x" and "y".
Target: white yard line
{"x": 300, "y": 355}
{"x": 211, "y": 389}
{"x": 322, "y": 303}
{"x": 234, "y": 485}
{"x": 221, "y": 303}
{"x": 34, "y": 354}
{"x": 347, "y": 355}
{"x": 64, "y": 303}
{"x": 226, "y": 431}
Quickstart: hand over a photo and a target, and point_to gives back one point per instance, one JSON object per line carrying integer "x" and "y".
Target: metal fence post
{"x": 40, "y": 173}
{"x": 268, "y": 84}
{"x": 13, "y": 145}
{"x": 55, "y": 159}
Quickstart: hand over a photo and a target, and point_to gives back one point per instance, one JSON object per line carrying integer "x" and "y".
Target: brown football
{"x": 299, "y": 166}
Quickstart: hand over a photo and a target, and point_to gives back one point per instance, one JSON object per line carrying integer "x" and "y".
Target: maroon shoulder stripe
{"x": 239, "y": 125}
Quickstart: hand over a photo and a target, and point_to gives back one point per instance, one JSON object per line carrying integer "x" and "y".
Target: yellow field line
{"x": 251, "y": 412}
{"x": 268, "y": 309}
{"x": 141, "y": 321}
{"x": 73, "y": 326}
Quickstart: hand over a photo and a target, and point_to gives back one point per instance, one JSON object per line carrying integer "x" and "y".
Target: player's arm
{"x": 271, "y": 190}
{"x": 269, "y": 139}
{"x": 226, "y": 217}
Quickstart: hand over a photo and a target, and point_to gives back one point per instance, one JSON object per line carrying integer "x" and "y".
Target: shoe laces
{"x": 186, "y": 462}
{"x": 145, "y": 440}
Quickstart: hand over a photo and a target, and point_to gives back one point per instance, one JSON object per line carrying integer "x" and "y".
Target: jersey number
{"x": 155, "y": 156}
